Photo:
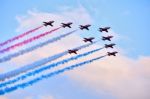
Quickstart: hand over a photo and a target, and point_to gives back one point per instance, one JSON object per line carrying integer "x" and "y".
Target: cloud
{"x": 40, "y": 97}
{"x": 123, "y": 77}
{"x": 28, "y": 97}
{"x": 35, "y": 18}
{"x": 46, "y": 97}
{"x": 3, "y": 97}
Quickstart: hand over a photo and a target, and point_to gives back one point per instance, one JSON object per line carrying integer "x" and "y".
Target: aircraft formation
{"x": 109, "y": 37}
{"x": 88, "y": 40}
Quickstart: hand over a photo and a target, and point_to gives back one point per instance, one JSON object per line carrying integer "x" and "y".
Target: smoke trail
{"x": 19, "y": 36}
{"x": 32, "y": 73}
{"x": 21, "y": 52}
{"x": 28, "y": 41}
{"x": 35, "y": 80}
{"x": 38, "y": 63}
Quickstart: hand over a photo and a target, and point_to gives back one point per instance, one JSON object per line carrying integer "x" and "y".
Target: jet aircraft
{"x": 104, "y": 29}
{"x": 82, "y": 27}
{"x": 110, "y": 45}
{"x": 48, "y": 23}
{"x": 67, "y": 24}
{"x": 107, "y": 38}
{"x": 112, "y": 53}
{"x": 90, "y": 39}
{"x": 73, "y": 51}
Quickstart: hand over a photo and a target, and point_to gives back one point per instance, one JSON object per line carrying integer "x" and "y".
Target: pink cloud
{"x": 123, "y": 77}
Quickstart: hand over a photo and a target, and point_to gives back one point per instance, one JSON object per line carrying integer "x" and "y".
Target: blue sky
{"x": 128, "y": 18}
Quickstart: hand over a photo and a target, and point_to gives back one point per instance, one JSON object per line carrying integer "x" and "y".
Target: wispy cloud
{"x": 121, "y": 76}
{"x": 3, "y": 97}
{"x": 35, "y": 18}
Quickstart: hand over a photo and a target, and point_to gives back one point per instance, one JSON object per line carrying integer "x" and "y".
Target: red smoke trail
{"x": 27, "y": 41}
{"x": 19, "y": 36}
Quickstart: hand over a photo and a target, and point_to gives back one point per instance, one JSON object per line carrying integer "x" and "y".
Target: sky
{"x": 109, "y": 78}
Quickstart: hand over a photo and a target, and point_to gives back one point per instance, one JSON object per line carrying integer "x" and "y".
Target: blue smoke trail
{"x": 24, "y": 51}
{"x": 32, "y": 73}
{"x": 35, "y": 80}
{"x": 38, "y": 63}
